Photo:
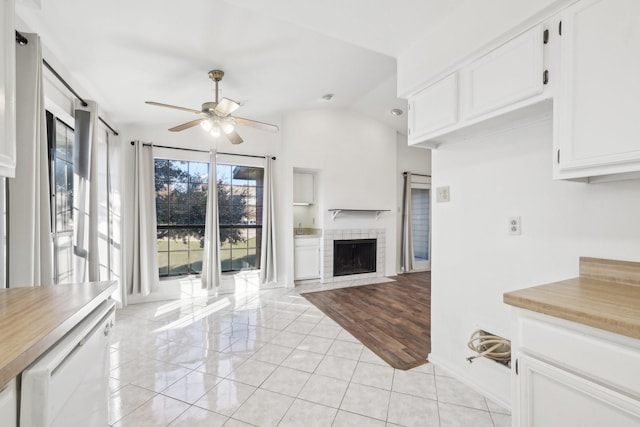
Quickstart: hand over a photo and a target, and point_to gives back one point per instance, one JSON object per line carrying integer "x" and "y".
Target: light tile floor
{"x": 270, "y": 358}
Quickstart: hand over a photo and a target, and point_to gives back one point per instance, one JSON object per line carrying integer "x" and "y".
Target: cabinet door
{"x": 9, "y": 405}
{"x": 434, "y": 108}
{"x": 552, "y": 397}
{"x": 303, "y": 188}
{"x": 596, "y": 121}
{"x": 307, "y": 262}
{"x": 7, "y": 89}
{"x": 506, "y": 75}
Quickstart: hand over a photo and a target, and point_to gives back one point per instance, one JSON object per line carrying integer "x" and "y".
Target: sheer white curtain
{"x": 30, "y": 246}
{"x": 143, "y": 278}
{"x": 268, "y": 271}
{"x": 211, "y": 255}
{"x": 406, "y": 259}
{"x": 86, "y": 189}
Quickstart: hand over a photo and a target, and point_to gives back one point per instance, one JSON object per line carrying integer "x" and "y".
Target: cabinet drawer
{"x": 307, "y": 241}
{"x": 600, "y": 355}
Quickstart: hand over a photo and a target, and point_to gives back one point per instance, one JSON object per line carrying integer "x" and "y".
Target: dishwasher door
{"x": 69, "y": 385}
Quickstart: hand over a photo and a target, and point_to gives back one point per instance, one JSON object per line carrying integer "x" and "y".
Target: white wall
{"x": 474, "y": 259}
{"x": 355, "y": 157}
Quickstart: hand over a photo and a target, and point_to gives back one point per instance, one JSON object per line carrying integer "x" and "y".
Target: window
{"x": 240, "y": 190}
{"x": 60, "y": 140}
{"x": 181, "y": 197}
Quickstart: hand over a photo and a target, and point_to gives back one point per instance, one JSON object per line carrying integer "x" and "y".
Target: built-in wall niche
{"x": 306, "y": 218}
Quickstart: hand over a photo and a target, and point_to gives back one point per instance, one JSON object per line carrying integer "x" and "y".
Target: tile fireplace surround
{"x": 351, "y": 234}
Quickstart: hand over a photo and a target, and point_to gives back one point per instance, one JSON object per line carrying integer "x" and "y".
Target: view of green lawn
{"x": 186, "y": 255}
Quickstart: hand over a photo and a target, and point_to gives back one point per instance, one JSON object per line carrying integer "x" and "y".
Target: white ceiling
{"x": 278, "y": 55}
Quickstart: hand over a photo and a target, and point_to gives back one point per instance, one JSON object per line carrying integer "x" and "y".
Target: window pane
{"x": 178, "y": 262}
{"x": 179, "y": 214}
{"x": 198, "y": 172}
{"x": 178, "y": 240}
{"x": 239, "y": 260}
{"x": 251, "y": 237}
{"x": 70, "y": 143}
{"x": 61, "y": 141}
{"x": 162, "y": 213}
{"x": 225, "y": 259}
{"x": 195, "y": 261}
{"x": 163, "y": 240}
{"x": 224, "y": 174}
{"x": 162, "y": 170}
{"x": 252, "y": 261}
{"x": 163, "y": 263}
{"x": 178, "y": 171}
{"x": 198, "y": 214}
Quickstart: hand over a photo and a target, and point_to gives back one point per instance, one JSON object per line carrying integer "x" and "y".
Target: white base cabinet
{"x": 596, "y": 126}
{"x": 9, "y": 405}
{"x": 565, "y": 375}
{"x": 307, "y": 258}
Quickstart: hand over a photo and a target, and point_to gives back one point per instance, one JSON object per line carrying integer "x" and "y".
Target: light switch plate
{"x": 442, "y": 194}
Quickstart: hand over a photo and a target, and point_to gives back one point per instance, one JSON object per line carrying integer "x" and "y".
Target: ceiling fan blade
{"x": 234, "y": 137}
{"x": 226, "y": 107}
{"x": 187, "y": 125}
{"x": 256, "y": 124}
{"x": 159, "y": 104}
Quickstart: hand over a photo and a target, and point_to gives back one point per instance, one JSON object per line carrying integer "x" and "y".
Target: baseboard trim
{"x": 456, "y": 373}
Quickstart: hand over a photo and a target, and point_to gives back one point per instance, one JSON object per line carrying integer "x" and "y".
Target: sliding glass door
{"x": 421, "y": 225}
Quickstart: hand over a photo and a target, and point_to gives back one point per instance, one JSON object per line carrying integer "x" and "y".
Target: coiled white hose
{"x": 490, "y": 346}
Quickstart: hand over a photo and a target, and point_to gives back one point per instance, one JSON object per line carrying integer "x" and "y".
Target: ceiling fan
{"x": 217, "y": 118}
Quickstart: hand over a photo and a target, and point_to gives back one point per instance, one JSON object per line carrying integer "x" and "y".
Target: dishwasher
{"x": 69, "y": 385}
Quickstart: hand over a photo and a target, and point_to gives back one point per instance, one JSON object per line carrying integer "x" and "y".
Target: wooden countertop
{"x": 612, "y": 306}
{"x": 35, "y": 318}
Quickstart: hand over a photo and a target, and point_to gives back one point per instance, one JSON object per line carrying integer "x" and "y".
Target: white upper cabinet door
{"x": 597, "y": 110}
{"x": 7, "y": 89}
{"x": 504, "y": 76}
{"x": 303, "y": 188}
{"x": 433, "y": 108}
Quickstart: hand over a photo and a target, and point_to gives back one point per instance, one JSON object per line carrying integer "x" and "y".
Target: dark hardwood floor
{"x": 392, "y": 319}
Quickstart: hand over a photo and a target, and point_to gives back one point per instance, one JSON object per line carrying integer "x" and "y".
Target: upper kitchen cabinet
{"x": 303, "y": 188}
{"x": 433, "y": 108}
{"x": 504, "y": 76}
{"x": 7, "y": 89}
{"x": 597, "y": 105}
{"x": 482, "y": 90}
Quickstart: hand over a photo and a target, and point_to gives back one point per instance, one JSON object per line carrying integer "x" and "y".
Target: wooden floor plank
{"x": 392, "y": 319}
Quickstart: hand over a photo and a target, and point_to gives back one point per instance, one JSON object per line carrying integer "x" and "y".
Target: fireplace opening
{"x": 354, "y": 256}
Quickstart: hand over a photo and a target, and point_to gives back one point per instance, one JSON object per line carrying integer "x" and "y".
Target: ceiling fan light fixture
{"x": 215, "y": 131}
{"x": 206, "y": 125}
{"x": 228, "y": 126}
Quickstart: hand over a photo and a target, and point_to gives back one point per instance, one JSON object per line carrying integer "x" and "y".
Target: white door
{"x": 421, "y": 223}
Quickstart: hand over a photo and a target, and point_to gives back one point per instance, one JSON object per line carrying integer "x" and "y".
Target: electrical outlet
{"x": 515, "y": 226}
{"x": 442, "y": 194}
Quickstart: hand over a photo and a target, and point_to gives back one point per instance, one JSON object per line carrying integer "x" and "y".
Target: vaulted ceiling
{"x": 278, "y": 55}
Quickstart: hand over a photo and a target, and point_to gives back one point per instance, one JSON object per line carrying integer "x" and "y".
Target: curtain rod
{"x": 146, "y": 144}
{"x": 22, "y": 40}
{"x": 415, "y": 174}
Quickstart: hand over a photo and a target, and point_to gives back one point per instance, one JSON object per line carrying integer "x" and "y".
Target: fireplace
{"x": 356, "y": 256}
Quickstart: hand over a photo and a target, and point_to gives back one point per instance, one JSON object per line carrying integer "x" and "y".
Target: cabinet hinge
{"x": 545, "y": 37}
{"x": 516, "y": 366}
{"x": 545, "y": 77}
{"x": 560, "y": 28}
